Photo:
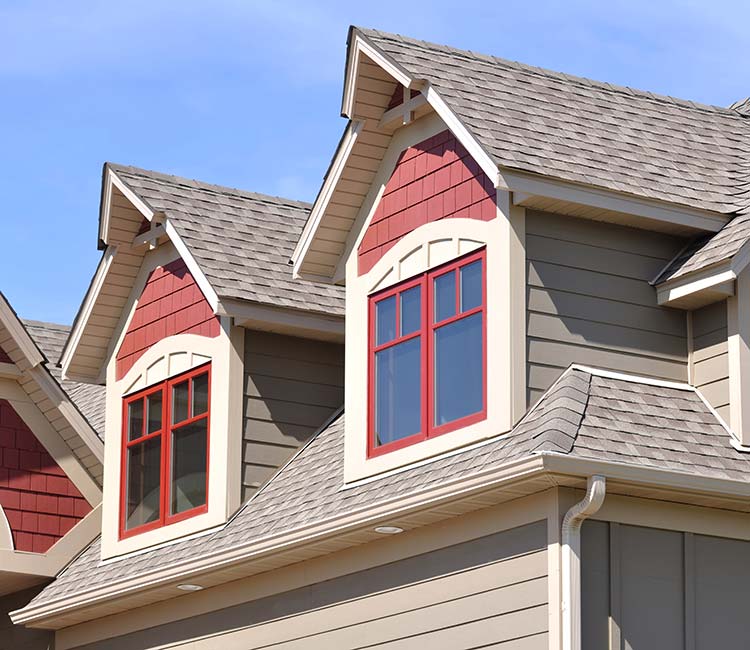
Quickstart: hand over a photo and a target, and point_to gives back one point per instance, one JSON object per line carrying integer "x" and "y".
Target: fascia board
{"x": 694, "y": 283}
{"x": 200, "y": 278}
{"x": 514, "y": 471}
{"x": 536, "y": 185}
{"x": 338, "y": 165}
{"x": 18, "y": 332}
{"x": 557, "y": 463}
{"x": 84, "y": 313}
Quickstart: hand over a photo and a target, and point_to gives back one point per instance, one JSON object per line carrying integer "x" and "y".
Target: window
{"x": 165, "y": 452}
{"x": 427, "y": 360}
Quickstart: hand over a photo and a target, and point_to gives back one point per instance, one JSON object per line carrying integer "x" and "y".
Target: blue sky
{"x": 247, "y": 94}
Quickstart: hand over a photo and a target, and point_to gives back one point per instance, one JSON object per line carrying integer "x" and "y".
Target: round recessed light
{"x": 189, "y": 587}
{"x": 389, "y": 530}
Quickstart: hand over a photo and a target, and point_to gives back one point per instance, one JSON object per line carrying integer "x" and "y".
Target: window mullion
{"x": 166, "y": 434}
{"x": 427, "y": 354}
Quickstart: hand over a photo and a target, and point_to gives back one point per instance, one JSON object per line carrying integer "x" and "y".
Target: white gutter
{"x": 571, "y": 560}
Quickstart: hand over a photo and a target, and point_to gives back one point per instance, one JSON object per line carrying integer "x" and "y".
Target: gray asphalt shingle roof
{"x": 89, "y": 399}
{"x": 586, "y": 414}
{"x": 242, "y": 241}
{"x": 584, "y": 131}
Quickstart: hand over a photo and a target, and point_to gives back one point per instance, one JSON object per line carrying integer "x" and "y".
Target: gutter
{"x": 571, "y": 560}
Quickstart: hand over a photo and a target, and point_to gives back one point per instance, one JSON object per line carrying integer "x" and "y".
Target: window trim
{"x": 426, "y": 334}
{"x": 165, "y": 387}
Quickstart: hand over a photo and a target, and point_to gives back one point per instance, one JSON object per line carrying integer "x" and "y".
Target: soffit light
{"x": 389, "y": 530}
{"x": 189, "y": 587}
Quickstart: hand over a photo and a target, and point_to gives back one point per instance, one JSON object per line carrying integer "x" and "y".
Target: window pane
{"x": 144, "y": 469}
{"x": 188, "y": 485}
{"x": 135, "y": 419}
{"x": 153, "y": 407}
{"x": 398, "y": 402}
{"x": 458, "y": 369}
{"x": 411, "y": 308}
{"x": 471, "y": 285}
{"x": 385, "y": 320}
{"x": 180, "y": 402}
{"x": 200, "y": 394}
{"x": 445, "y": 296}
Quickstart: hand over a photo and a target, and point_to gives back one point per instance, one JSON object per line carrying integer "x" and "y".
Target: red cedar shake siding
{"x": 4, "y": 358}
{"x": 39, "y": 500}
{"x": 171, "y": 303}
{"x": 433, "y": 180}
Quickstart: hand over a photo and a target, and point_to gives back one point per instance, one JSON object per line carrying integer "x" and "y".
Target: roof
{"x": 584, "y": 131}
{"x": 586, "y": 414}
{"x": 89, "y": 399}
{"x": 242, "y": 241}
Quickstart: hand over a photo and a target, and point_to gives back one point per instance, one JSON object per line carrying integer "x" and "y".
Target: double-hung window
{"x": 427, "y": 359}
{"x": 165, "y": 452}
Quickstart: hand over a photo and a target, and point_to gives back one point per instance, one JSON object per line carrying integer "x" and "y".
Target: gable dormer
{"x": 192, "y": 283}
{"x": 419, "y": 187}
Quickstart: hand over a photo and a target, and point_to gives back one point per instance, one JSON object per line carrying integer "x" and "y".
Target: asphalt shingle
{"x": 242, "y": 241}
{"x": 585, "y": 414}
{"x": 89, "y": 399}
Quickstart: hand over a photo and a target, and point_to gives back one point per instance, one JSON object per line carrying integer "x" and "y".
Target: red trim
{"x": 165, "y": 433}
{"x": 426, "y": 333}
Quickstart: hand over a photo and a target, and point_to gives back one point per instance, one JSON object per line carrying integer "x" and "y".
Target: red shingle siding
{"x": 39, "y": 500}
{"x": 433, "y": 180}
{"x": 171, "y": 303}
{"x": 4, "y": 358}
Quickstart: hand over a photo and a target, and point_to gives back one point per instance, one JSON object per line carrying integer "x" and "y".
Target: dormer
{"x": 194, "y": 326}
{"x": 50, "y": 456}
{"x": 424, "y": 216}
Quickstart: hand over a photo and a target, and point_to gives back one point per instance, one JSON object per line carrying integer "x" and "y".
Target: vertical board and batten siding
{"x": 589, "y": 301}
{"x": 489, "y": 592}
{"x": 652, "y": 589}
{"x": 292, "y": 386}
{"x": 711, "y": 356}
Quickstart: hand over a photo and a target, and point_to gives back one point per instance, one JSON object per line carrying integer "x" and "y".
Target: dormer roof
{"x": 575, "y": 129}
{"x": 560, "y": 143}
{"x": 236, "y": 245}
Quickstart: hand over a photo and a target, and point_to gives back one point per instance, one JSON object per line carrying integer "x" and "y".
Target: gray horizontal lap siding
{"x": 292, "y": 386}
{"x": 711, "y": 356}
{"x": 589, "y": 301}
{"x": 490, "y": 592}
{"x": 16, "y": 637}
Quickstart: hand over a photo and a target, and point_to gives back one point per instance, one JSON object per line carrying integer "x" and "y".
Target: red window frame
{"x": 165, "y": 433}
{"x": 426, "y": 333}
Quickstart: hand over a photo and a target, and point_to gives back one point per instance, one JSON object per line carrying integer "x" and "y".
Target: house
{"x": 51, "y": 467}
{"x": 543, "y": 366}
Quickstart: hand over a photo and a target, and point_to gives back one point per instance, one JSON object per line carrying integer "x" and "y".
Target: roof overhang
{"x": 495, "y": 485}
{"x": 704, "y": 286}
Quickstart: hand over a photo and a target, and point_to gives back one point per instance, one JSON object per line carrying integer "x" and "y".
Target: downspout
{"x": 571, "y": 560}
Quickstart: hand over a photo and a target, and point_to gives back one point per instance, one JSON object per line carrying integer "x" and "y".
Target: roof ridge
{"x": 192, "y": 183}
{"x": 547, "y": 72}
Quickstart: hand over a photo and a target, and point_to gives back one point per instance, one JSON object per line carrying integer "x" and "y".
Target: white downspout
{"x": 571, "y": 560}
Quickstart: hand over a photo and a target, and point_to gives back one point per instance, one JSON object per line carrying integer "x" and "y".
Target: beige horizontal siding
{"x": 589, "y": 301}
{"x": 711, "y": 356}
{"x": 489, "y": 592}
{"x": 292, "y": 386}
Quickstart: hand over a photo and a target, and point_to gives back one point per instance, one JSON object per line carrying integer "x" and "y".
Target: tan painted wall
{"x": 646, "y": 588}
{"x": 292, "y": 386}
{"x": 589, "y": 301}
{"x": 710, "y": 356}
{"x": 13, "y": 637}
{"x": 480, "y": 593}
